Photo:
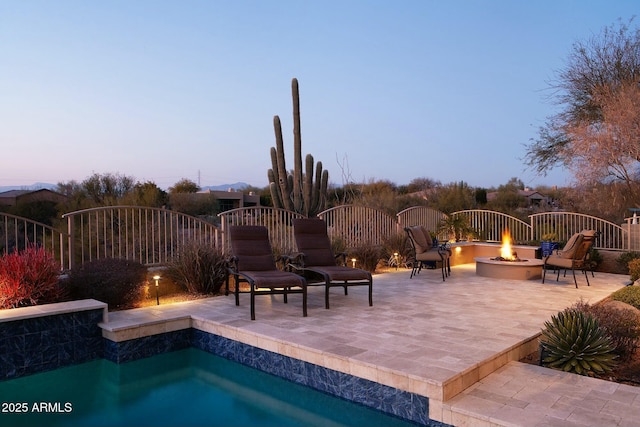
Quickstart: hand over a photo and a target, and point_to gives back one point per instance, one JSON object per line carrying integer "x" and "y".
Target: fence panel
{"x": 565, "y": 224}
{"x": 489, "y": 225}
{"x": 16, "y": 233}
{"x": 359, "y": 225}
{"x": 422, "y": 215}
{"x": 150, "y": 236}
{"x": 278, "y": 222}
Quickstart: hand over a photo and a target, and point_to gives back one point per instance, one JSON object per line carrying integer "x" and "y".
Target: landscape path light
{"x": 157, "y": 279}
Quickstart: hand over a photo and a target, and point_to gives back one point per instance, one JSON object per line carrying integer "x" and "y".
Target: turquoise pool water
{"x": 182, "y": 388}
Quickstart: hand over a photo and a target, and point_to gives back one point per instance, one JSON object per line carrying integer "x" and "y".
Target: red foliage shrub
{"x": 29, "y": 277}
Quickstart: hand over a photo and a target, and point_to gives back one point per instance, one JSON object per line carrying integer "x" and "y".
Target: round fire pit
{"x": 525, "y": 269}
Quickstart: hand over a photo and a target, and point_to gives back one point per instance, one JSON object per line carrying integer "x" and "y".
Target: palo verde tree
{"x": 296, "y": 192}
{"x": 596, "y": 132}
{"x": 185, "y": 185}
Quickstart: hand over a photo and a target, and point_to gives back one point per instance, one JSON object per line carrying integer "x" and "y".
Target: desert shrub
{"x": 118, "y": 282}
{"x": 622, "y": 323}
{"x": 29, "y": 277}
{"x": 338, "y": 245}
{"x": 628, "y": 294}
{"x": 594, "y": 259}
{"x": 624, "y": 259}
{"x": 634, "y": 269}
{"x": 367, "y": 257}
{"x": 396, "y": 243}
{"x": 199, "y": 267}
{"x": 574, "y": 341}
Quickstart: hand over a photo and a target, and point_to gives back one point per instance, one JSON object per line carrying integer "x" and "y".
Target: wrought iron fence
{"x": 489, "y": 226}
{"x": 359, "y": 225}
{"x": 422, "y": 215}
{"x": 564, "y": 224}
{"x": 16, "y": 233}
{"x": 278, "y": 222}
{"x": 152, "y": 235}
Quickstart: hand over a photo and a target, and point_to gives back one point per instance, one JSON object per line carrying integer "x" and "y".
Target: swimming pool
{"x": 182, "y": 388}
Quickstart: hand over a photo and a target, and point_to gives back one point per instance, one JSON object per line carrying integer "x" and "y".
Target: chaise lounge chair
{"x": 253, "y": 263}
{"x": 316, "y": 259}
{"x": 424, "y": 251}
{"x": 573, "y": 256}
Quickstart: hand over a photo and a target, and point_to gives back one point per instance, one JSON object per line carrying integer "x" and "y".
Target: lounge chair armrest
{"x": 341, "y": 258}
{"x": 296, "y": 260}
{"x": 288, "y": 261}
{"x": 232, "y": 264}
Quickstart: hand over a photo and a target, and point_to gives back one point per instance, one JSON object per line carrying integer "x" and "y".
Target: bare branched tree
{"x": 596, "y": 133}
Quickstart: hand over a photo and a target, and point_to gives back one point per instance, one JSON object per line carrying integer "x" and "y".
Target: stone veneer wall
{"x": 36, "y": 339}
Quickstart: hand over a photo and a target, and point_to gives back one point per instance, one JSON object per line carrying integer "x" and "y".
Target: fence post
{"x": 71, "y": 241}
{"x": 531, "y": 230}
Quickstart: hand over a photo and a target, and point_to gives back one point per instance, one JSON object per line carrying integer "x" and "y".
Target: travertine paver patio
{"x": 456, "y": 342}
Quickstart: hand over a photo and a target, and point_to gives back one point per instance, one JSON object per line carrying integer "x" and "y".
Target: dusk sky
{"x": 390, "y": 90}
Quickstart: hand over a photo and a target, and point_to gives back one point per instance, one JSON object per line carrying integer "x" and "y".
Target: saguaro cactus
{"x": 296, "y": 192}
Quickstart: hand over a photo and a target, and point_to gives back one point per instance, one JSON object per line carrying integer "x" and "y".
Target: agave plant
{"x": 574, "y": 341}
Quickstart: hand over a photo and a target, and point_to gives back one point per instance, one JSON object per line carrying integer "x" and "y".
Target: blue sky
{"x": 390, "y": 90}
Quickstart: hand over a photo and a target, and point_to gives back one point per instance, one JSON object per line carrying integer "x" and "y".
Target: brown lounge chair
{"x": 316, "y": 259}
{"x": 253, "y": 263}
{"x": 573, "y": 256}
{"x": 424, "y": 251}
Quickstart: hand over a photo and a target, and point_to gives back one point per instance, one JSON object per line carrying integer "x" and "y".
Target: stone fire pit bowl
{"x": 526, "y": 269}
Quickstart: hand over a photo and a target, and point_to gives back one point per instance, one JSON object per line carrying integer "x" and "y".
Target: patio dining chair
{"x": 253, "y": 263}
{"x": 573, "y": 256}
{"x": 424, "y": 251}
{"x": 317, "y": 260}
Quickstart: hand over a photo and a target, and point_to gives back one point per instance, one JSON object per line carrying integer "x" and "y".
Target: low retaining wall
{"x": 50, "y": 336}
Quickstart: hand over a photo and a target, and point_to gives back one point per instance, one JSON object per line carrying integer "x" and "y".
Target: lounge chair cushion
{"x": 420, "y": 240}
{"x": 251, "y": 245}
{"x": 274, "y": 278}
{"x": 589, "y": 234}
{"x": 559, "y": 261}
{"x": 427, "y": 235}
{"x": 341, "y": 273}
{"x": 571, "y": 247}
{"x": 312, "y": 240}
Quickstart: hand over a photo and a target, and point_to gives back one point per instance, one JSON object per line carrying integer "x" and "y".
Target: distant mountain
{"x": 36, "y": 186}
{"x": 225, "y": 187}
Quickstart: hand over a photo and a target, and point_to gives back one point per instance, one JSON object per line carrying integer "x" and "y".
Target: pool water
{"x": 183, "y": 388}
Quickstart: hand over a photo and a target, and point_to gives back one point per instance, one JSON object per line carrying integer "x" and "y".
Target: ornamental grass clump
{"x": 367, "y": 257}
{"x": 397, "y": 243}
{"x": 29, "y": 277}
{"x": 199, "y": 268}
{"x": 573, "y": 341}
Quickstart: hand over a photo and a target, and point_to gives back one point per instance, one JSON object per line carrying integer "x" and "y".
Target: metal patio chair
{"x": 423, "y": 251}
{"x": 317, "y": 260}
{"x": 573, "y": 256}
{"x": 253, "y": 262}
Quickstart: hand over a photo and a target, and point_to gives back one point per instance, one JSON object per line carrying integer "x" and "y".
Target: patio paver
{"x": 456, "y": 342}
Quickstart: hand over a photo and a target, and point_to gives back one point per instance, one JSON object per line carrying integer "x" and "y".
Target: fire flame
{"x": 505, "y": 250}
